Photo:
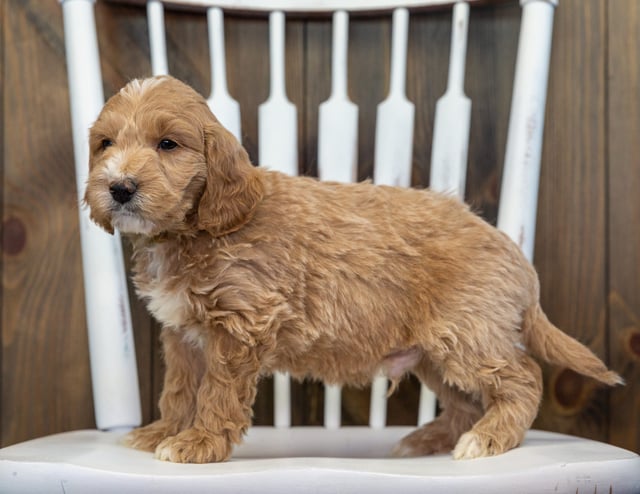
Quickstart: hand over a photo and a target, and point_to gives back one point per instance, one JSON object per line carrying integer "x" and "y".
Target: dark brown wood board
{"x": 623, "y": 134}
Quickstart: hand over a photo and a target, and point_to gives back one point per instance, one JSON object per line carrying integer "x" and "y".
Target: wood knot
{"x": 14, "y": 236}
{"x": 633, "y": 343}
{"x": 569, "y": 391}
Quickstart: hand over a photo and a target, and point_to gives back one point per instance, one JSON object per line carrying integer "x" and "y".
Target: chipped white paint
{"x": 521, "y": 173}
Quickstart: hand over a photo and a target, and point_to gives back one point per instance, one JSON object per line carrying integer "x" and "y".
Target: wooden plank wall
{"x": 588, "y": 238}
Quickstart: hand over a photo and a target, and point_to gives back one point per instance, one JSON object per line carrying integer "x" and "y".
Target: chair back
{"x": 111, "y": 345}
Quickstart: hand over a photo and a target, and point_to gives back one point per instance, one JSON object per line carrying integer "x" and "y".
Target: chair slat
{"x": 277, "y": 117}
{"x": 426, "y": 406}
{"x": 453, "y": 116}
{"x": 395, "y": 115}
{"x": 281, "y": 400}
{"x": 392, "y": 158}
{"x": 114, "y": 373}
{"x": 225, "y": 108}
{"x": 338, "y": 116}
{"x": 332, "y": 406}
{"x": 519, "y": 192}
{"x": 450, "y": 145}
{"x": 337, "y": 153}
{"x": 378, "y": 407}
{"x": 157, "y": 39}
{"x": 278, "y": 150}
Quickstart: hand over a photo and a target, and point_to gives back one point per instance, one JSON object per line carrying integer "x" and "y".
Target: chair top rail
{"x": 311, "y": 6}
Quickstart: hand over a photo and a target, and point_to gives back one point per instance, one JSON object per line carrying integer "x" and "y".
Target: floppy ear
{"x": 233, "y": 185}
{"x": 97, "y": 214}
{"x": 99, "y": 219}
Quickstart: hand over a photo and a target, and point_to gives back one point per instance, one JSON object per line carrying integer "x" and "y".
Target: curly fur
{"x": 251, "y": 271}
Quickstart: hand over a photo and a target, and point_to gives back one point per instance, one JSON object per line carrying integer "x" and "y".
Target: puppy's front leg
{"x": 184, "y": 367}
{"x": 223, "y": 405}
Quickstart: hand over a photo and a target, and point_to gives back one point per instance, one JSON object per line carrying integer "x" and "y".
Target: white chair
{"x": 310, "y": 459}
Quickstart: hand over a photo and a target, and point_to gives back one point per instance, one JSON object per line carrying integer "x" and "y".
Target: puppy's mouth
{"x": 128, "y": 222}
{"x": 127, "y": 218}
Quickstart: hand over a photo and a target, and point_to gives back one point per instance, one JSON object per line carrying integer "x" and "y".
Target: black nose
{"x": 122, "y": 192}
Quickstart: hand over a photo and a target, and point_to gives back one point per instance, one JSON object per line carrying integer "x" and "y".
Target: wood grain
{"x": 571, "y": 235}
{"x": 624, "y": 219}
{"x": 3, "y": 229}
{"x": 45, "y": 368}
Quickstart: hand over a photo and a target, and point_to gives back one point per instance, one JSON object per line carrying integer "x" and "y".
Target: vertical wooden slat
{"x": 623, "y": 121}
{"x": 123, "y": 39}
{"x": 316, "y": 88}
{"x": 278, "y": 150}
{"x": 45, "y": 369}
{"x": 369, "y": 71}
{"x": 392, "y": 160}
{"x": 249, "y": 75}
{"x": 2, "y": 234}
{"x": 521, "y": 172}
{"x": 395, "y": 115}
{"x": 453, "y": 115}
{"x": 489, "y": 84}
{"x": 119, "y": 28}
{"x": 226, "y": 109}
{"x": 571, "y": 238}
{"x": 426, "y": 82}
{"x": 112, "y": 350}
{"x": 338, "y": 115}
{"x": 157, "y": 39}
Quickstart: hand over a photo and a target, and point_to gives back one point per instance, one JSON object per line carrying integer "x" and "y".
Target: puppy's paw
{"x": 475, "y": 445}
{"x": 470, "y": 445}
{"x": 148, "y": 437}
{"x": 194, "y": 446}
{"x": 429, "y": 439}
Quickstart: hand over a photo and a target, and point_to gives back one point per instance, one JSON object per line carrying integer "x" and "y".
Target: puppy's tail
{"x": 549, "y": 343}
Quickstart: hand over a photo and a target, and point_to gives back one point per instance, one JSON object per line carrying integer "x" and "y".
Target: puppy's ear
{"x": 104, "y": 224}
{"x": 233, "y": 185}
{"x": 101, "y": 220}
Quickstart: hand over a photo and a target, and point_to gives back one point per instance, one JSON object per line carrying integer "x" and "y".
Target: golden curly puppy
{"x": 251, "y": 271}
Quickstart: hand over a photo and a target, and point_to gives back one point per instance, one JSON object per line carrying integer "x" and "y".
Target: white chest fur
{"x": 167, "y": 293}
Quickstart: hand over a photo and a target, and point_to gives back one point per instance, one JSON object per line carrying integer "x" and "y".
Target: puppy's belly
{"x": 357, "y": 370}
{"x": 398, "y": 363}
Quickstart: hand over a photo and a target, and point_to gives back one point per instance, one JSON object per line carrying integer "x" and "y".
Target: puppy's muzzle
{"x": 123, "y": 192}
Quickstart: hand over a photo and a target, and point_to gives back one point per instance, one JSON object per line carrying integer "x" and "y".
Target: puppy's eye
{"x": 106, "y": 143}
{"x": 167, "y": 144}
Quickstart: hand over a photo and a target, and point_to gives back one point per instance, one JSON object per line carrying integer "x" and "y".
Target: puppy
{"x": 251, "y": 271}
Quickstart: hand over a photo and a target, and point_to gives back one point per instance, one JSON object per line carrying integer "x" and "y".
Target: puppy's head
{"x": 161, "y": 162}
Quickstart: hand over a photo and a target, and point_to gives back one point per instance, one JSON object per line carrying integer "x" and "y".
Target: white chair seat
{"x": 318, "y": 460}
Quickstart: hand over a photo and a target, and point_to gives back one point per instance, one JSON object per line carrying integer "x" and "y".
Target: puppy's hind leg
{"x": 459, "y": 412}
{"x": 511, "y": 395}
